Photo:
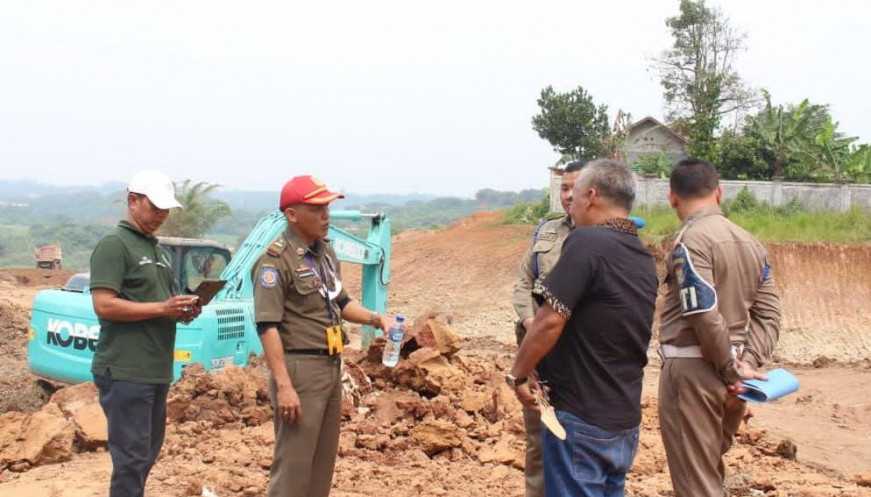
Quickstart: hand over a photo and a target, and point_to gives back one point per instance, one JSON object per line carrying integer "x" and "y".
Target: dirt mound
{"x": 825, "y": 290}
{"x": 19, "y": 390}
{"x": 397, "y": 438}
{"x": 34, "y": 276}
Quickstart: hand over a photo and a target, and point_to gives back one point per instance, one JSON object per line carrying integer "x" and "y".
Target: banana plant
{"x": 832, "y": 151}
{"x": 783, "y": 132}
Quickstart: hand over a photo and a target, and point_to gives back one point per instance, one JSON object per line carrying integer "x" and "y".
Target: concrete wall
{"x": 812, "y": 196}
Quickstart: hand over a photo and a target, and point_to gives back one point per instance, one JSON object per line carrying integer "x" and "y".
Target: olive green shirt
{"x": 292, "y": 285}
{"x": 746, "y": 310}
{"x": 545, "y": 251}
{"x": 131, "y": 264}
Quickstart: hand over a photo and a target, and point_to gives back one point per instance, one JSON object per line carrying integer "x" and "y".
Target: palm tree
{"x": 199, "y": 212}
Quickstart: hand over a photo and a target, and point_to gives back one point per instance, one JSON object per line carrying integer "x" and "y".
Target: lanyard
{"x": 321, "y": 273}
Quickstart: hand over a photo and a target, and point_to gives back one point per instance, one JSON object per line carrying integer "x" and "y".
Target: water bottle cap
{"x": 400, "y": 318}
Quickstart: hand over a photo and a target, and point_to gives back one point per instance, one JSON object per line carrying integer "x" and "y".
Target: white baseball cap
{"x": 157, "y": 187}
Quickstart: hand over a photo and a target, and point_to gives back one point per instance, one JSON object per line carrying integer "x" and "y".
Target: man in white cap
{"x": 133, "y": 294}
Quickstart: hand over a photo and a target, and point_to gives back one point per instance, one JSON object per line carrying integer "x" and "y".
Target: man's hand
{"x": 179, "y": 307}
{"x": 526, "y": 397}
{"x": 195, "y": 310}
{"x": 289, "y": 407}
{"x": 746, "y": 372}
{"x": 383, "y": 323}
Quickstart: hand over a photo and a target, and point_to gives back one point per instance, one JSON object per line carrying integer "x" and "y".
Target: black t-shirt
{"x": 605, "y": 285}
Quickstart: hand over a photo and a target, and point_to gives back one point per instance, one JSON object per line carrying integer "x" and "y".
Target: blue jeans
{"x": 136, "y": 416}
{"x": 589, "y": 462}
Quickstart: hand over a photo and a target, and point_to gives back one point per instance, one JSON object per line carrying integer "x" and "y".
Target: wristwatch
{"x": 514, "y": 382}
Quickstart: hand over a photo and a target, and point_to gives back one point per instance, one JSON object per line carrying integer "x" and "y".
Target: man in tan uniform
{"x": 299, "y": 305}
{"x": 720, "y": 323}
{"x": 539, "y": 259}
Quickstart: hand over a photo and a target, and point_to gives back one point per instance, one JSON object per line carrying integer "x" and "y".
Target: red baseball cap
{"x": 306, "y": 190}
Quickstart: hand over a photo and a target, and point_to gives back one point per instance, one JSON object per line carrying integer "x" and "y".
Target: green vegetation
{"x": 200, "y": 212}
{"x": 772, "y": 224}
{"x": 698, "y": 77}
{"x": 572, "y": 123}
{"x": 528, "y": 212}
{"x": 787, "y": 223}
{"x": 657, "y": 165}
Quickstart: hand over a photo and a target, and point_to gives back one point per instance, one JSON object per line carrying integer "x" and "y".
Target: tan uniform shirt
{"x": 292, "y": 284}
{"x": 720, "y": 293}
{"x": 545, "y": 249}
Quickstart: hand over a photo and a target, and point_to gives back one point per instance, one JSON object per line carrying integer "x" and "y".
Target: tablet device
{"x": 207, "y": 290}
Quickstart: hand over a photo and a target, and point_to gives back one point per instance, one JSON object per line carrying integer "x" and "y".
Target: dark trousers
{"x": 590, "y": 462}
{"x": 136, "y": 415}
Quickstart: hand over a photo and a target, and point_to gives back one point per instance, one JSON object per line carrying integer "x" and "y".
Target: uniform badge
{"x": 268, "y": 277}
{"x": 300, "y": 251}
{"x": 548, "y": 236}
{"x": 696, "y": 294}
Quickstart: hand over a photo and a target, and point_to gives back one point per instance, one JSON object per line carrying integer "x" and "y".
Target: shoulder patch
{"x": 695, "y": 294}
{"x": 276, "y": 248}
{"x": 268, "y": 277}
{"x": 548, "y": 236}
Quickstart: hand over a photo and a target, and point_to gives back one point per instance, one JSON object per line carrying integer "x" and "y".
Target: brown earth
{"x": 443, "y": 425}
{"x": 18, "y": 388}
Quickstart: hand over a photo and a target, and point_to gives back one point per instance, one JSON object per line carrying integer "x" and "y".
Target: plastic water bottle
{"x": 394, "y": 342}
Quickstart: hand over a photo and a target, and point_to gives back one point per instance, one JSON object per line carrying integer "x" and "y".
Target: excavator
{"x": 64, "y": 328}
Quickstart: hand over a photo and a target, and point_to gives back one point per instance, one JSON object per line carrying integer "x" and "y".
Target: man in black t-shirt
{"x": 589, "y": 338}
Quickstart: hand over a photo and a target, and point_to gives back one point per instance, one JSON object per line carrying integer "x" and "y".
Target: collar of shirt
{"x": 300, "y": 248}
{"x": 620, "y": 224}
{"x": 567, "y": 220}
{"x": 130, "y": 227}
{"x": 713, "y": 210}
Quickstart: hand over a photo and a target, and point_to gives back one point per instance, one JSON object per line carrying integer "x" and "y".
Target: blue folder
{"x": 780, "y": 383}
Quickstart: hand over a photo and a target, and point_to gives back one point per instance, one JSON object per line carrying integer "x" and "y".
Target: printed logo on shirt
{"x": 268, "y": 277}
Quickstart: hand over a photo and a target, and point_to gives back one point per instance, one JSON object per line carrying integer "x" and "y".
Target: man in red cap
{"x": 299, "y": 306}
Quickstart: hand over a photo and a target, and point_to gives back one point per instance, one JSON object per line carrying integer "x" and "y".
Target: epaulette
{"x": 277, "y": 247}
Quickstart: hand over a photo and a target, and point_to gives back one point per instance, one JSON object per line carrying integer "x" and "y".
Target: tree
{"x": 572, "y": 123}
{"x": 614, "y": 143}
{"x": 832, "y": 151}
{"x": 739, "y": 157}
{"x": 697, "y": 74}
{"x": 858, "y": 165}
{"x": 784, "y": 134}
{"x": 199, "y": 212}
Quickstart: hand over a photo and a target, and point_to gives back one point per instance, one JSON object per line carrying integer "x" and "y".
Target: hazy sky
{"x": 377, "y": 96}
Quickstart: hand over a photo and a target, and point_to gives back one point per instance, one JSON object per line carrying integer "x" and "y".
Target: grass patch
{"x": 774, "y": 224}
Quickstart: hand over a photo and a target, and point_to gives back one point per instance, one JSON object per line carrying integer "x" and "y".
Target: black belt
{"x": 322, "y": 352}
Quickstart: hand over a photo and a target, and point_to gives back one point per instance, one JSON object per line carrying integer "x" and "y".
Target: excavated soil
{"x": 442, "y": 423}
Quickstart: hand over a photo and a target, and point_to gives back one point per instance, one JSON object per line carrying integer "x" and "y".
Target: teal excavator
{"x": 64, "y": 328}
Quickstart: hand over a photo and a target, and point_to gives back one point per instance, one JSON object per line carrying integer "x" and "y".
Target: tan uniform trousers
{"x": 305, "y": 452}
{"x": 533, "y": 468}
{"x": 698, "y": 426}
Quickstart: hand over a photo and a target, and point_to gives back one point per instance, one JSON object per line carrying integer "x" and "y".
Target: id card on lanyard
{"x": 333, "y": 333}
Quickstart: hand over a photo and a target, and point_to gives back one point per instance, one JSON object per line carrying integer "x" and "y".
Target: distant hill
{"x": 32, "y": 213}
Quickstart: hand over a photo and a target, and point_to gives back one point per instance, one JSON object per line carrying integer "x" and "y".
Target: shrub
{"x": 658, "y": 165}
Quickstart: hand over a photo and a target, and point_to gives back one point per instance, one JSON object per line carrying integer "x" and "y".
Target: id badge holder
{"x": 335, "y": 343}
